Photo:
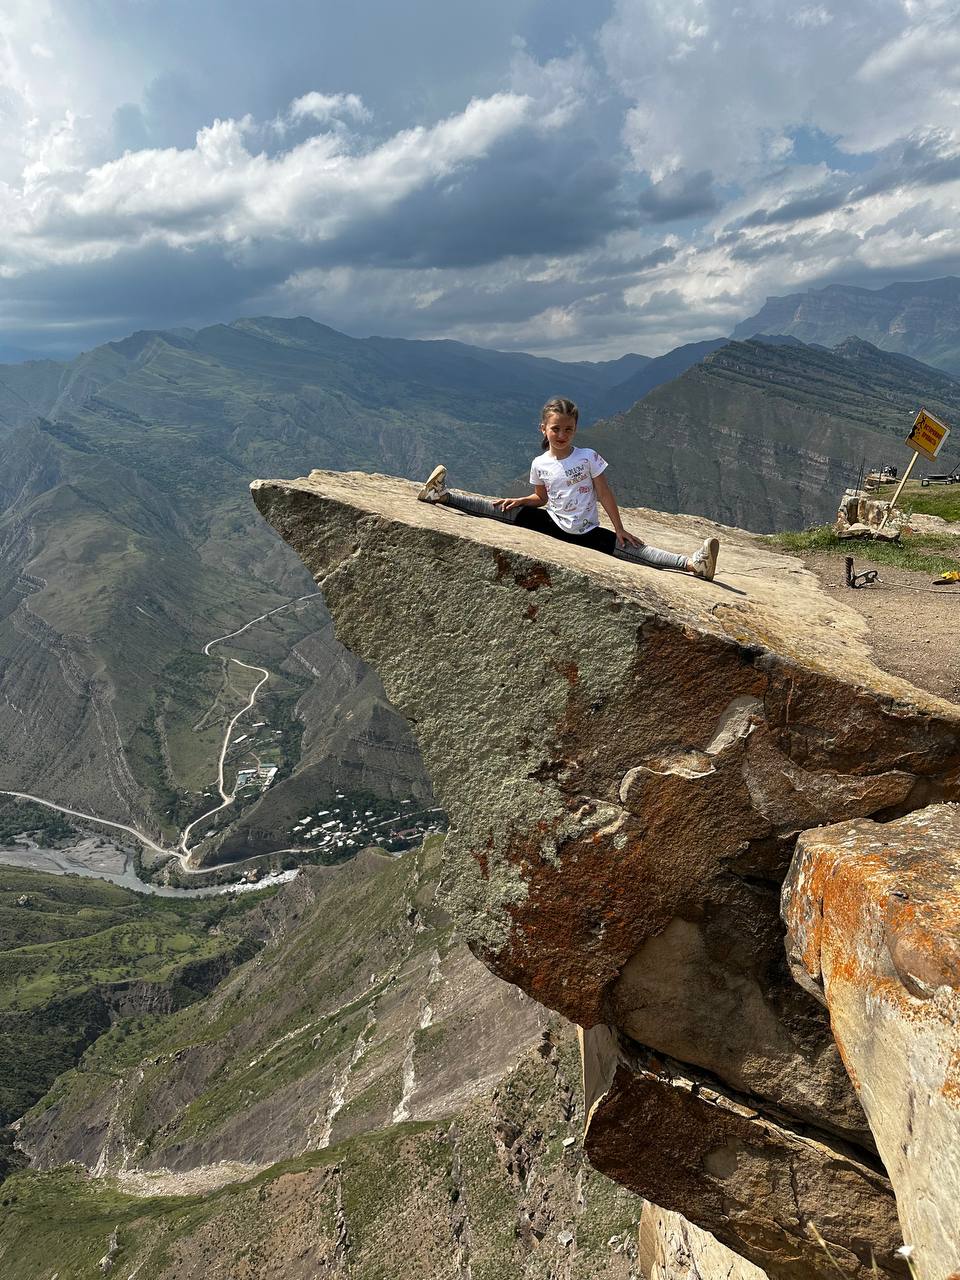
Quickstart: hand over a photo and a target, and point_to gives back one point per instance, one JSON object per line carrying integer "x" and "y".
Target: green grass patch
{"x": 934, "y": 501}
{"x": 933, "y": 553}
{"x": 66, "y": 941}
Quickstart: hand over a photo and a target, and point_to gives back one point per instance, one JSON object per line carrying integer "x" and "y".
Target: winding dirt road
{"x": 182, "y": 850}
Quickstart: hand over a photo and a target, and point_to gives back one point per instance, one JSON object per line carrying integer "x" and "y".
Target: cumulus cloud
{"x": 328, "y": 106}
{"x": 718, "y": 86}
{"x": 636, "y": 181}
{"x": 222, "y": 191}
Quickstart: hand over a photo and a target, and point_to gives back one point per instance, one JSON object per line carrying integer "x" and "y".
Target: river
{"x": 101, "y": 859}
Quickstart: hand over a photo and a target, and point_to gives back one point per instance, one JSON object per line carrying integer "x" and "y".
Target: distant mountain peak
{"x": 915, "y": 318}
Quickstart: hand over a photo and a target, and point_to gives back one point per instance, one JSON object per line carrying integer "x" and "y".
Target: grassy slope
{"x": 242, "y": 1073}
{"x": 73, "y": 940}
{"x": 380, "y": 1206}
{"x": 353, "y": 927}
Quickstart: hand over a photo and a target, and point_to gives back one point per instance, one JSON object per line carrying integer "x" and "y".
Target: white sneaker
{"x": 705, "y": 560}
{"x": 434, "y": 489}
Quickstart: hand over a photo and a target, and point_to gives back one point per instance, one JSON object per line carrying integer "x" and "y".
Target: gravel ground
{"x": 915, "y": 626}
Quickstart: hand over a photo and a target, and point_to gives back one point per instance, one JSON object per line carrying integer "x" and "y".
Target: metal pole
{"x": 893, "y": 500}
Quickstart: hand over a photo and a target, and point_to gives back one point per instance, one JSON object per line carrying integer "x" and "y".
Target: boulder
{"x": 765, "y": 1188}
{"x": 671, "y": 1248}
{"x": 873, "y": 920}
{"x": 861, "y": 516}
{"x": 627, "y": 757}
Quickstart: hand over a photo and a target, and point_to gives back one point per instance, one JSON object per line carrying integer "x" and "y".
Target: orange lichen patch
{"x": 532, "y": 611}
{"x": 892, "y": 882}
{"x": 951, "y": 1083}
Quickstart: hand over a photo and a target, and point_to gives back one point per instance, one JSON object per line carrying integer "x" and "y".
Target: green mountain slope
{"x": 767, "y": 435}
{"x": 367, "y": 1080}
{"x": 916, "y": 318}
{"x": 75, "y": 953}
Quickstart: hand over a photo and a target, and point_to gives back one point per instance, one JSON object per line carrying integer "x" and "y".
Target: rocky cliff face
{"x": 873, "y": 918}
{"x": 627, "y": 758}
{"x": 920, "y": 318}
{"x": 767, "y": 435}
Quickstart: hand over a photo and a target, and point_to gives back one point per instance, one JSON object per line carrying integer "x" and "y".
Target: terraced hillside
{"x": 766, "y": 435}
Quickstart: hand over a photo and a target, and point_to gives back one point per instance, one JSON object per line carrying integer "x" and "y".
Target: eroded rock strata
{"x": 873, "y": 918}
{"x": 627, "y": 758}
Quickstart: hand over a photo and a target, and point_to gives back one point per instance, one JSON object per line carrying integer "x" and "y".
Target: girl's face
{"x": 558, "y": 430}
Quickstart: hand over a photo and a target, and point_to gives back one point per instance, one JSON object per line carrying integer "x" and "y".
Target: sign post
{"x": 926, "y": 436}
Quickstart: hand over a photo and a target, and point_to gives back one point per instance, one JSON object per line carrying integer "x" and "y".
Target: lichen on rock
{"x": 873, "y": 921}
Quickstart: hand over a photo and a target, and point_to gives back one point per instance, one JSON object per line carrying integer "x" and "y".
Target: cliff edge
{"x": 627, "y": 758}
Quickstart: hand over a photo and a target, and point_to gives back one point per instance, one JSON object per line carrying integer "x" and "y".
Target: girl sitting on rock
{"x": 568, "y": 481}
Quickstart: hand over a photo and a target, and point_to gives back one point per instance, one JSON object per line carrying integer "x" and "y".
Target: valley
{"x": 253, "y": 1037}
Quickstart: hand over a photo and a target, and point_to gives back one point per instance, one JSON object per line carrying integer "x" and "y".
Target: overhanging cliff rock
{"x": 873, "y": 928}
{"x": 627, "y": 757}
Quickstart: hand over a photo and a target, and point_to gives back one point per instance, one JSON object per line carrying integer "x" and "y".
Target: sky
{"x": 572, "y": 179}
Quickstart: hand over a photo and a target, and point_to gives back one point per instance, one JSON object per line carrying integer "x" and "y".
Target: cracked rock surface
{"x": 873, "y": 919}
{"x": 627, "y": 757}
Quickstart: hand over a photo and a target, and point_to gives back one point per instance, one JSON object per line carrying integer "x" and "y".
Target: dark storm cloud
{"x": 531, "y": 196}
{"x": 145, "y": 288}
{"x": 411, "y": 63}
{"x": 796, "y": 210}
{"x": 679, "y": 195}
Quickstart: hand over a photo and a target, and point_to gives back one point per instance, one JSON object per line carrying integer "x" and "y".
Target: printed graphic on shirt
{"x": 571, "y": 497}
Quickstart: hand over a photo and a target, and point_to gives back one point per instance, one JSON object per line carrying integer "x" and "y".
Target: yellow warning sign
{"x": 927, "y": 435}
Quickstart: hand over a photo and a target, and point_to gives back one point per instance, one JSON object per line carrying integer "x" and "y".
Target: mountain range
{"x": 360, "y": 1089}
{"x": 915, "y": 318}
{"x": 128, "y": 542}
{"x": 766, "y": 434}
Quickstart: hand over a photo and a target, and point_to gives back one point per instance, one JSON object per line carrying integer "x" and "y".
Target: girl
{"x": 568, "y": 481}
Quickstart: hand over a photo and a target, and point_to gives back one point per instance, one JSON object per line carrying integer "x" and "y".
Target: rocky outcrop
{"x": 862, "y": 516}
{"x": 873, "y": 917}
{"x": 671, "y": 1248}
{"x": 627, "y": 758}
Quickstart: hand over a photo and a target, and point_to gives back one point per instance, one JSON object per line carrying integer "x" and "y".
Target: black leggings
{"x": 596, "y": 539}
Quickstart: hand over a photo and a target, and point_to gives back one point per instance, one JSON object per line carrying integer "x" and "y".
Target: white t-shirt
{"x": 571, "y": 497}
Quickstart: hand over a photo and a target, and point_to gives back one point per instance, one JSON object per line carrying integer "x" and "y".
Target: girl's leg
{"x": 653, "y": 557}
{"x": 436, "y": 491}
{"x": 477, "y": 506}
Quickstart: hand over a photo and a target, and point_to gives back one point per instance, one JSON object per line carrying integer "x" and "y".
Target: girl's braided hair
{"x": 563, "y": 408}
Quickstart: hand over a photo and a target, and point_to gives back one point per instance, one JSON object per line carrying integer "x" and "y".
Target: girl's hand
{"x": 508, "y": 504}
{"x": 625, "y": 539}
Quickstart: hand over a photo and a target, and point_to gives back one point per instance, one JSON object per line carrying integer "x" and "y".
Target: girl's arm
{"x": 609, "y": 504}
{"x": 536, "y": 499}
